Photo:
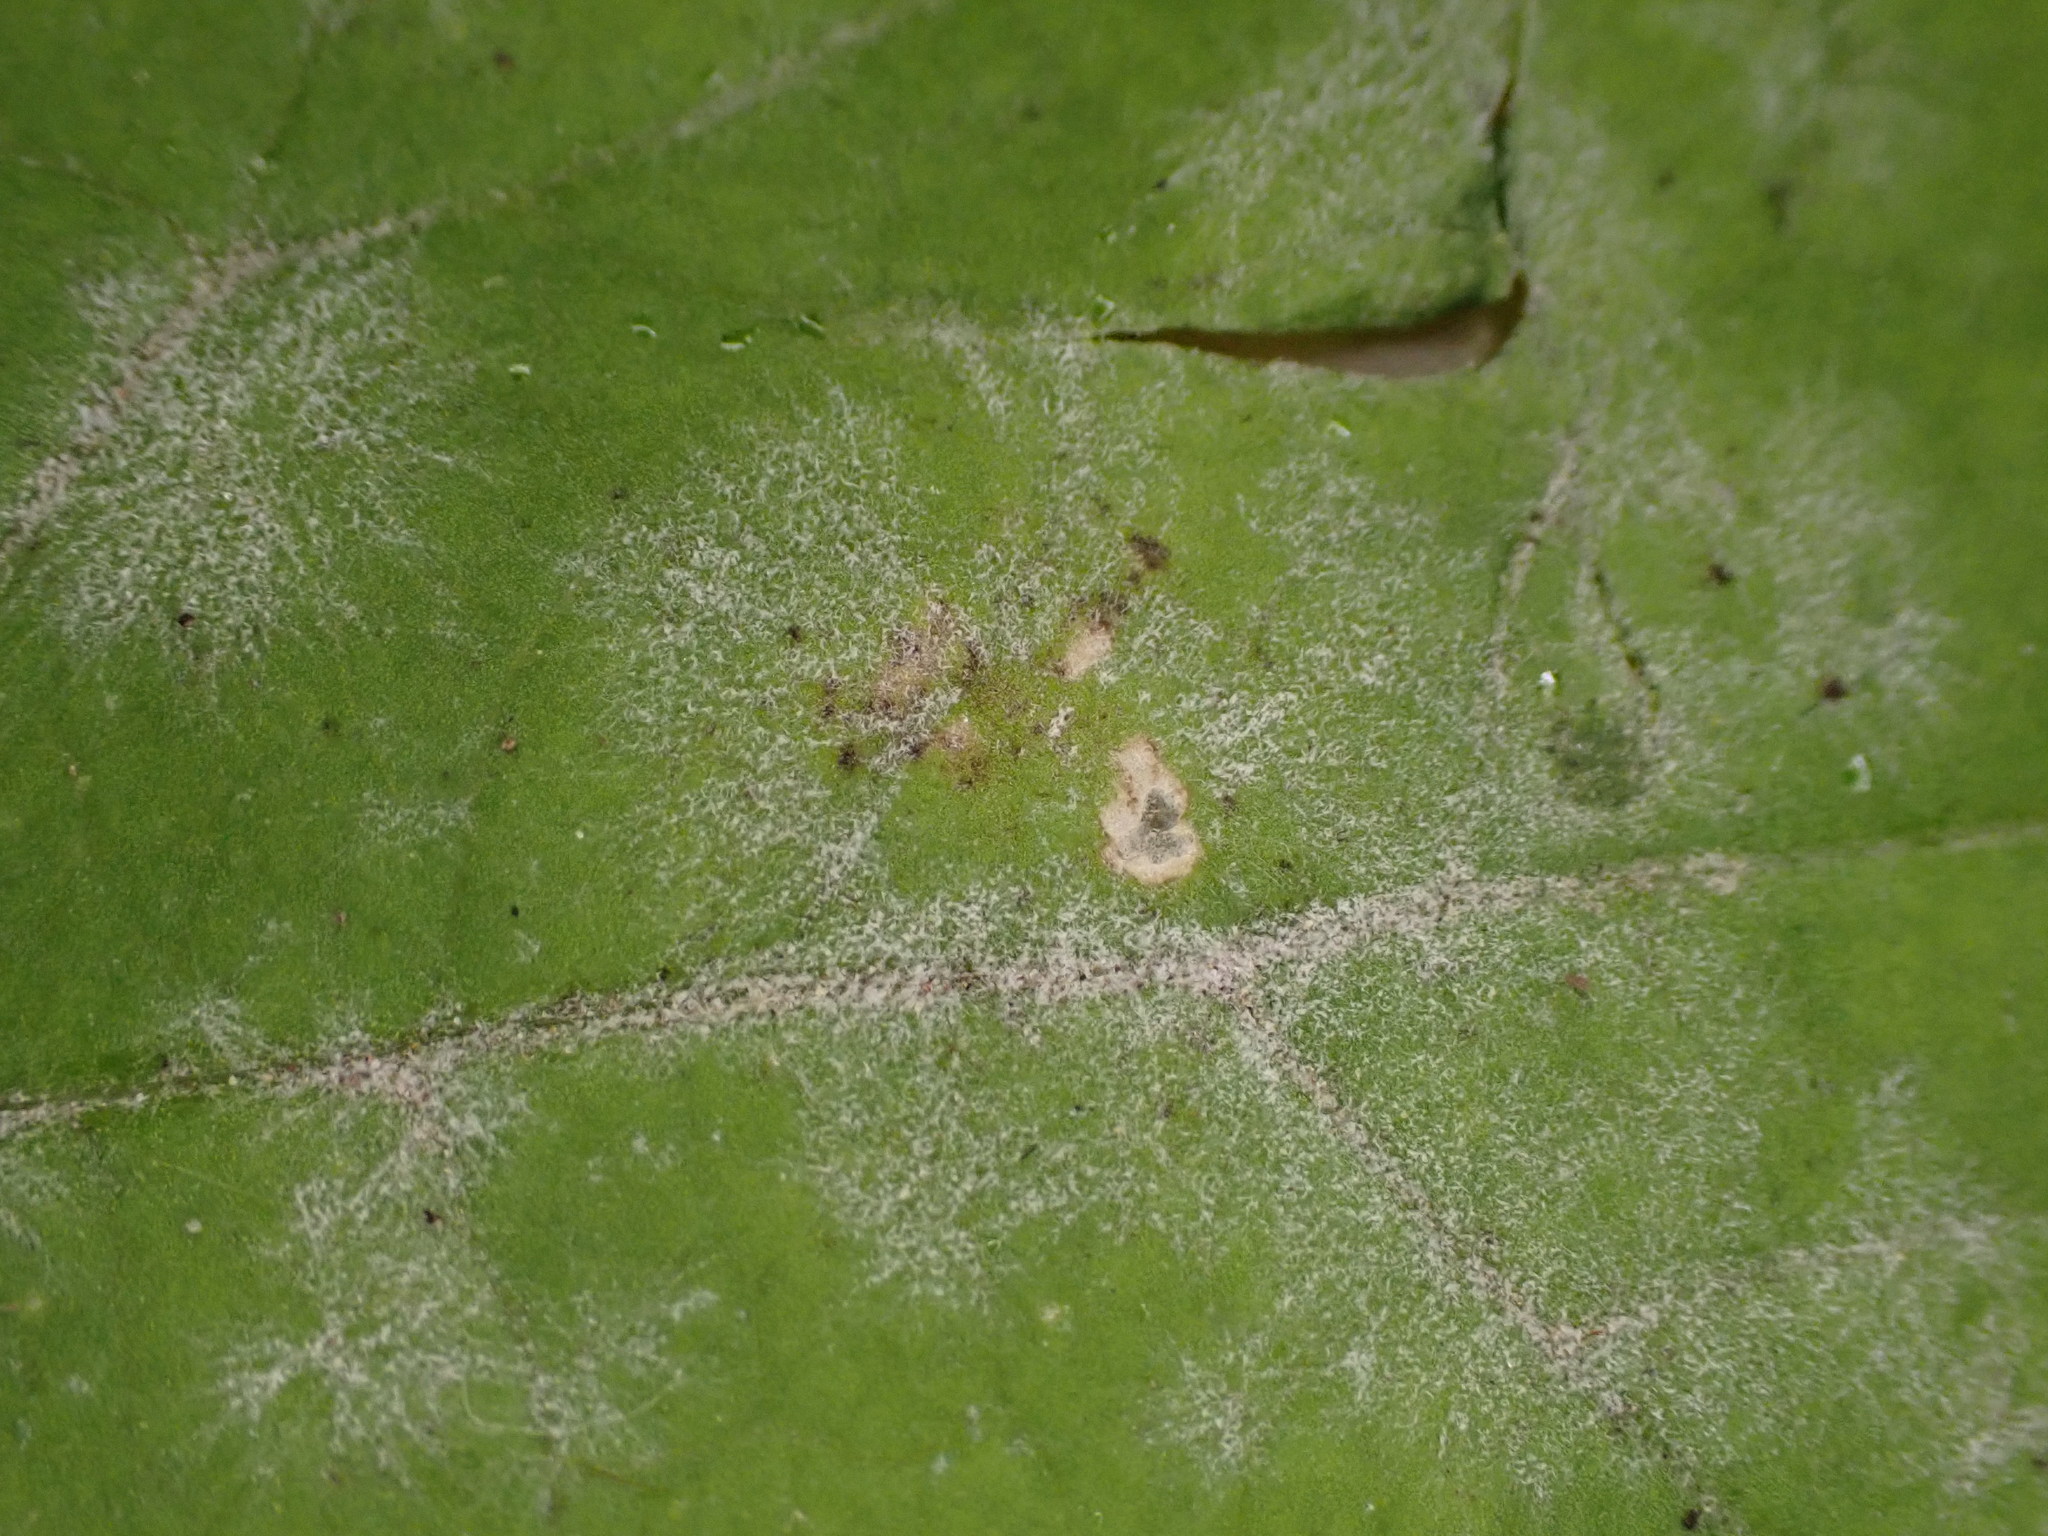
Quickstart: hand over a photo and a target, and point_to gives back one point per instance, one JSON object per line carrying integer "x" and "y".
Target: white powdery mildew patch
{"x": 1607, "y": 1180}
{"x": 1822, "y": 551}
{"x": 396, "y": 823}
{"x": 1092, "y": 443}
{"x": 415, "y": 1343}
{"x": 1357, "y": 172}
{"x": 1902, "y": 1317}
{"x": 1366, "y": 659}
{"x": 214, "y": 1032}
{"x": 956, "y": 1143}
{"x": 1823, "y": 79}
{"x": 807, "y": 527}
{"x": 28, "y": 1185}
{"x": 921, "y": 1141}
{"x": 1813, "y": 537}
{"x": 1343, "y": 168}
{"x": 1838, "y": 555}
{"x": 1520, "y": 1125}
{"x": 1357, "y": 702}
{"x": 1550, "y": 1240}
{"x": 794, "y": 562}
{"x": 214, "y": 485}
{"x": 1218, "y": 1409}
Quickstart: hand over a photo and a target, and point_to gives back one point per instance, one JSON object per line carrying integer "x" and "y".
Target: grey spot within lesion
{"x": 1160, "y": 811}
{"x": 1160, "y": 838}
{"x": 1150, "y": 838}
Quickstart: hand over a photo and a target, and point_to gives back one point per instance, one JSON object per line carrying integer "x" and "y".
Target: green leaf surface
{"x": 582, "y": 593}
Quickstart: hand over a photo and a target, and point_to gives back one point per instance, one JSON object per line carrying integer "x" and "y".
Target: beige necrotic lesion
{"x": 1150, "y": 837}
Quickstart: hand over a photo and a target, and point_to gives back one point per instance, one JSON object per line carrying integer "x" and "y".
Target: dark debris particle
{"x": 515, "y": 911}
{"x": 795, "y": 633}
{"x": 1833, "y": 689}
{"x": 432, "y": 1217}
{"x": 1151, "y": 553}
{"x": 1778, "y": 197}
{"x": 329, "y": 725}
{"x": 618, "y": 493}
{"x": 1466, "y": 335}
{"x": 849, "y": 757}
{"x": 509, "y": 744}
{"x": 1577, "y": 981}
{"x": 1719, "y": 574}
{"x": 505, "y": 62}
{"x": 1690, "y": 1520}
{"x": 187, "y": 619}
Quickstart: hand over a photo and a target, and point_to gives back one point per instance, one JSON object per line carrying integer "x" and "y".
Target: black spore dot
{"x": 187, "y": 619}
{"x": 515, "y": 911}
{"x": 1833, "y": 689}
{"x": 618, "y": 493}
{"x": 1719, "y": 574}
{"x": 849, "y": 756}
{"x": 1690, "y": 1520}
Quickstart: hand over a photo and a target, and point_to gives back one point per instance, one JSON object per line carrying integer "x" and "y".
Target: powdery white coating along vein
{"x": 1557, "y": 1342}
{"x": 1200, "y": 964}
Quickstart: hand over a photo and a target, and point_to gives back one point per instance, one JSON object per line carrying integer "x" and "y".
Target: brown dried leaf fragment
{"x": 1467, "y": 336}
{"x": 1150, "y": 838}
